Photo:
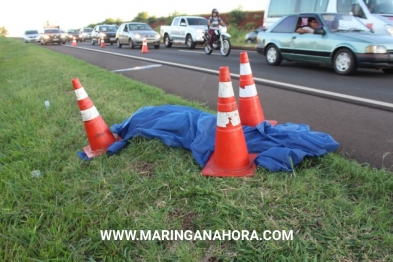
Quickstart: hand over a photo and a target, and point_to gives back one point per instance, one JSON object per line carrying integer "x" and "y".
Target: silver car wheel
{"x": 271, "y": 55}
{"x": 343, "y": 62}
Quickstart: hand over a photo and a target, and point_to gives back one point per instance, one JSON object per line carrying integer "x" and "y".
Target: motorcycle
{"x": 221, "y": 41}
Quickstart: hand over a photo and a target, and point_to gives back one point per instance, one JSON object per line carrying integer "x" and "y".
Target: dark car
{"x": 71, "y": 33}
{"x": 52, "y": 36}
{"x": 338, "y": 40}
{"x": 252, "y": 36}
{"x": 106, "y": 33}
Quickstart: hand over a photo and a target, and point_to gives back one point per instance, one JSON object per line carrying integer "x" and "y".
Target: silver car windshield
{"x": 137, "y": 27}
{"x": 344, "y": 23}
{"x": 32, "y": 32}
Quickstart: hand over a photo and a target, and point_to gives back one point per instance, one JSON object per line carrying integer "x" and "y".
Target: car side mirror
{"x": 319, "y": 31}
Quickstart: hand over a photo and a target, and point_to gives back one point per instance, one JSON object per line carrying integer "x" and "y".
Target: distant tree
{"x": 141, "y": 17}
{"x": 173, "y": 15}
{"x": 3, "y": 31}
{"x": 118, "y": 21}
{"x": 109, "y": 21}
{"x": 237, "y": 15}
{"x": 151, "y": 20}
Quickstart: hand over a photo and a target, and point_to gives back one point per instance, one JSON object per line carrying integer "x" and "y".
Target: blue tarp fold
{"x": 190, "y": 128}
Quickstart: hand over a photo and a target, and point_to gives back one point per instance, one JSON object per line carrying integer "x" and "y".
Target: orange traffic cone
{"x": 74, "y": 41}
{"x": 102, "y": 45}
{"x": 230, "y": 157}
{"x": 250, "y": 109}
{"x": 144, "y": 46}
{"x": 99, "y": 135}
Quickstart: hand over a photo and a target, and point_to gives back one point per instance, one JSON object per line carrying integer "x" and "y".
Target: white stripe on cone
{"x": 245, "y": 69}
{"x": 248, "y": 91}
{"x": 225, "y": 89}
{"x": 89, "y": 114}
{"x": 223, "y": 118}
{"x": 81, "y": 93}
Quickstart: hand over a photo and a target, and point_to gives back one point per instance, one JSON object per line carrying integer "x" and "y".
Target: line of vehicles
{"x": 351, "y": 34}
{"x": 188, "y": 30}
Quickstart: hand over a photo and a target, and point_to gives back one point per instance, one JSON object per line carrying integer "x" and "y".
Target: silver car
{"x": 133, "y": 33}
{"x": 31, "y": 36}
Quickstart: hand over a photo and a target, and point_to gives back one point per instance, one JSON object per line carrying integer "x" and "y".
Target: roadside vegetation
{"x": 339, "y": 210}
{"x": 236, "y": 17}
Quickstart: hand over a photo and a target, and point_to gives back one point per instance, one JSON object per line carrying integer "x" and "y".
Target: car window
{"x": 112, "y": 28}
{"x": 197, "y": 21}
{"x": 176, "y": 22}
{"x": 281, "y": 7}
{"x": 31, "y": 32}
{"x": 344, "y": 23}
{"x": 140, "y": 27}
{"x": 344, "y": 6}
{"x": 287, "y": 25}
{"x": 87, "y": 30}
{"x": 51, "y": 31}
{"x": 312, "y": 6}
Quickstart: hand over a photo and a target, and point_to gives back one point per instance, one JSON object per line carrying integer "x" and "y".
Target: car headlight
{"x": 389, "y": 29}
{"x": 376, "y": 49}
{"x": 200, "y": 31}
{"x": 102, "y": 34}
{"x": 46, "y": 36}
{"x": 157, "y": 36}
{"x": 137, "y": 36}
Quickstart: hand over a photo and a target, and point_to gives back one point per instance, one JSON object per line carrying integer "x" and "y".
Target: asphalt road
{"x": 357, "y": 111}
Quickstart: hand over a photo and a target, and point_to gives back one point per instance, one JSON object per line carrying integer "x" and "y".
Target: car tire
{"x": 92, "y": 42}
{"x": 273, "y": 55}
{"x": 388, "y": 71}
{"x": 249, "y": 41}
{"x": 167, "y": 41}
{"x": 118, "y": 43}
{"x": 131, "y": 44}
{"x": 157, "y": 46}
{"x": 344, "y": 62}
{"x": 190, "y": 43}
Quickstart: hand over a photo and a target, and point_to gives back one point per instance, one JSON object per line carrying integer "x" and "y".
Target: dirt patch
{"x": 145, "y": 169}
{"x": 188, "y": 219}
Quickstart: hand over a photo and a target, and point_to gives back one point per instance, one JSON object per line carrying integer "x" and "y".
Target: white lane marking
{"x": 259, "y": 80}
{"x": 137, "y": 68}
{"x": 197, "y": 52}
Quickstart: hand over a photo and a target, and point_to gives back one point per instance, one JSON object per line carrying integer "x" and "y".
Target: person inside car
{"x": 312, "y": 24}
{"x": 213, "y": 23}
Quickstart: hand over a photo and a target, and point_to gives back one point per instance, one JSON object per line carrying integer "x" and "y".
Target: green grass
{"x": 339, "y": 210}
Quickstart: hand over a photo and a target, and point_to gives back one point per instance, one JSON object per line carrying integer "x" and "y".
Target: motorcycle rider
{"x": 213, "y": 23}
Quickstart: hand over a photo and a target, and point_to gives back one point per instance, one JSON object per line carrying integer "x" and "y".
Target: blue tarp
{"x": 190, "y": 128}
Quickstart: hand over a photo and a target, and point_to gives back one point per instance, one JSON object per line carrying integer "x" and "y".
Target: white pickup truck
{"x": 187, "y": 30}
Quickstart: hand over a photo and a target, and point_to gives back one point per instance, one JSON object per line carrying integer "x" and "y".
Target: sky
{"x": 18, "y": 16}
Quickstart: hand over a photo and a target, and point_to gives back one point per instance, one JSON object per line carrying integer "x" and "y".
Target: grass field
{"x": 339, "y": 210}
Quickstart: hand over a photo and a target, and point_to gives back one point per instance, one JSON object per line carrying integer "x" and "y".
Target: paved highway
{"x": 357, "y": 111}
